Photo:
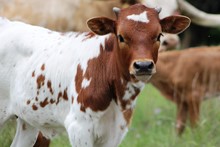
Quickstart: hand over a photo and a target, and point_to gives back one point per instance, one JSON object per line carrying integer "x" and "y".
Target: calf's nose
{"x": 143, "y": 67}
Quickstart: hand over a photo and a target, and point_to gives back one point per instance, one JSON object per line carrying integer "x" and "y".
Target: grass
{"x": 153, "y": 125}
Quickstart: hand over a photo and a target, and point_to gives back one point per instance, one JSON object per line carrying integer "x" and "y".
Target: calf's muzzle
{"x": 143, "y": 67}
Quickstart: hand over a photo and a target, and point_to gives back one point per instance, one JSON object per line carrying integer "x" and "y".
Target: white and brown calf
{"x": 79, "y": 82}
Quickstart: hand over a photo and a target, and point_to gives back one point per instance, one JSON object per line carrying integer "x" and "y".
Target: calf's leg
{"x": 182, "y": 113}
{"x": 25, "y": 135}
{"x": 42, "y": 141}
{"x": 194, "y": 110}
{"x": 4, "y": 113}
{"x": 80, "y": 135}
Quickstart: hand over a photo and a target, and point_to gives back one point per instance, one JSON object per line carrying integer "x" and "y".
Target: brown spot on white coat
{"x": 40, "y": 81}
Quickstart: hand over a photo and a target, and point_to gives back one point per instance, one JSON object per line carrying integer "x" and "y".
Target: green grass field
{"x": 153, "y": 125}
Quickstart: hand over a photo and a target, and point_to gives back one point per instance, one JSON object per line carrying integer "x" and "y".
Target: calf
{"x": 187, "y": 77}
{"x": 79, "y": 82}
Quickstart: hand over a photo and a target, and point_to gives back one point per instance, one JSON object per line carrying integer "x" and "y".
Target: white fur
{"x": 142, "y": 17}
{"x": 140, "y": 85}
{"x": 99, "y": 125}
{"x": 85, "y": 83}
{"x": 129, "y": 91}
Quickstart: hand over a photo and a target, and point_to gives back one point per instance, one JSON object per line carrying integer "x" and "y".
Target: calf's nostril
{"x": 137, "y": 65}
{"x": 143, "y": 66}
{"x": 150, "y": 65}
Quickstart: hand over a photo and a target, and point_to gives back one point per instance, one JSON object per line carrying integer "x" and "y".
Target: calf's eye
{"x": 121, "y": 39}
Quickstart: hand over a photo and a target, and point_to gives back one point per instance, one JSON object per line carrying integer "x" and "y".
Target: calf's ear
{"x": 101, "y": 25}
{"x": 175, "y": 24}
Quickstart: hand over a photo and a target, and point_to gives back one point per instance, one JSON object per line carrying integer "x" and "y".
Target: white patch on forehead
{"x": 85, "y": 83}
{"x": 142, "y": 17}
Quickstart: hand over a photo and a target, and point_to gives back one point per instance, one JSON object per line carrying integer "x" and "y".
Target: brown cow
{"x": 187, "y": 77}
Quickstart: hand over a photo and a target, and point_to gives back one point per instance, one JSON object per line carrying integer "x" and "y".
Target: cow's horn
{"x": 116, "y": 10}
{"x": 158, "y": 9}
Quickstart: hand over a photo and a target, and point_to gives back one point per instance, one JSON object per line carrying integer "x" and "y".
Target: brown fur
{"x": 42, "y": 141}
{"x": 33, "y": 74}
{"x": 49, "y": 86}
{"x": 34, "y": 107}
{"x": 186, "y": 77}
{"x": 43, "y": 67}
{"x": 100, "y": 99}
{"x": 40, "y": 81}
{"x": 44, "y": 103}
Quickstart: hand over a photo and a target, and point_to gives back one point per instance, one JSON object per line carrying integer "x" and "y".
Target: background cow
{"x": 199, "y": 17}
{"x": 79, "y": 82}
{"x": 59, "y": 15}
{"x": 198, "y": 10}
{"x": 187, "y": 77}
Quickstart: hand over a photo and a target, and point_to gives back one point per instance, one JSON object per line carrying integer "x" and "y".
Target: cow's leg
{"x": 42, "y": 141}
{"x": 25, "y": 135}
{"x": 194, "y": 109}
{"x": 182, "y": 111}
{"x": 80, "y": 133}
{"x": 4, "y": 113}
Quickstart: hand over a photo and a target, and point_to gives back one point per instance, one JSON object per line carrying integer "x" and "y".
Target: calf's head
{"x": 138, "y": 30}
